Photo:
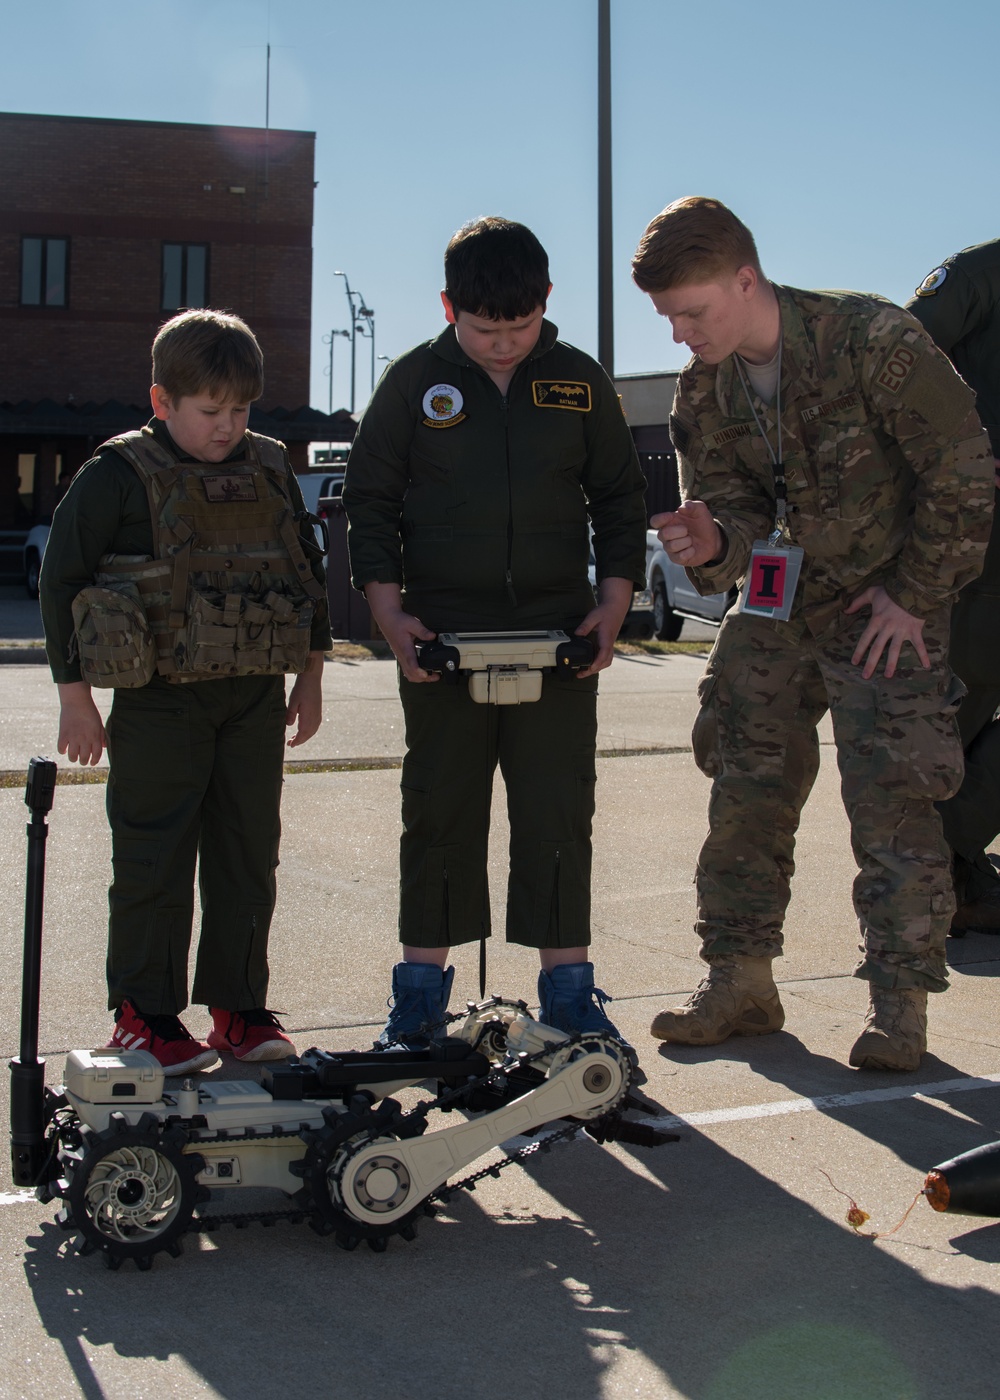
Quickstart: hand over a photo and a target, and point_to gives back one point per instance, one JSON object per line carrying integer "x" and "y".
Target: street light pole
{"x": 329, "y": 340}
{"x": 365, "y": 313}
{"x": 354, "y": 326}
{"x": 605, "y": 263}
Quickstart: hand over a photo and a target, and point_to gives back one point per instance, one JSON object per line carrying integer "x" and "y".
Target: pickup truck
{"x": 675, "y": 596}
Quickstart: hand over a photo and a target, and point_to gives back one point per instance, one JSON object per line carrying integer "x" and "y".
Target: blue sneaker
{"x": 420, "y": 994}
{"x": 570, "y": 1002}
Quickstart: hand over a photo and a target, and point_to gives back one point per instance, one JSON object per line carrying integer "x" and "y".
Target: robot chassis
{"x": 134, "y": 1155}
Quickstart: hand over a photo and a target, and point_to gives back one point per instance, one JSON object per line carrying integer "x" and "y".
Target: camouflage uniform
{"x": 889, "y": 483}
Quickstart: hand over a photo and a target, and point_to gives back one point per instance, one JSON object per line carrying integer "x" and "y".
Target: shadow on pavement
{"x": 717, "y": 1283}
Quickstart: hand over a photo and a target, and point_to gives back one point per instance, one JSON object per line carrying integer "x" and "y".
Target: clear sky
{"x": 857, "y": 138}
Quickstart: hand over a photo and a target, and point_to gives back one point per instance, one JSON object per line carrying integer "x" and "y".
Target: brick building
{"x": 106, "y": 228}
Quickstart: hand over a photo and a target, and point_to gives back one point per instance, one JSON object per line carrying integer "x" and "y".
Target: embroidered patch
{"x": 896, "y": 367}
{"x": 561, "y": 393}
{"x": 823, "y": 410}
{"x": 726, "y": 435}
{"x": 932, "y": 282}
{"x": 234, "y": 486}
{"x": 679, "y": 435}
{"x": 442, "y": 405}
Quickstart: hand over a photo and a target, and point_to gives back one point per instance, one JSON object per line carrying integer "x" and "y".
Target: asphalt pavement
{"x": 719, "y": 1267}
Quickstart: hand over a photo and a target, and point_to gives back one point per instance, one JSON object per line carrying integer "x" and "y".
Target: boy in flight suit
{"x": 828, "y": 427}
{"x": 476, "y": 469}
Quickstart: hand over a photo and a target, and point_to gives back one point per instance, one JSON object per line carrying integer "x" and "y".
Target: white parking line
{"x": 863, "y": 1096}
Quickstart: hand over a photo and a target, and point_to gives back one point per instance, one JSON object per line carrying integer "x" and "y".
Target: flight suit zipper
{"x": 509, "y": 580}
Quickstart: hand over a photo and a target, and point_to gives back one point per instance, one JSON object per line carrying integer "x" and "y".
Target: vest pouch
{"x": 242, "y": 636}
{"x": 113, "y": 638}
{"x": 290, "y": 629}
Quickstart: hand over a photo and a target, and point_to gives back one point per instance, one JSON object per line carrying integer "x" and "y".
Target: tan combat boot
{"x": 895, "y": 1033}
{"x": 738, "y": 997}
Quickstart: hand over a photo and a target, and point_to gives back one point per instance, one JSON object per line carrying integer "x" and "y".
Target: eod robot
{"x": 134, "y": 1157}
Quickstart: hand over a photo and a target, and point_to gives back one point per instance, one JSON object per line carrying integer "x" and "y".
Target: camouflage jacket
{"x": 890, "y": 475}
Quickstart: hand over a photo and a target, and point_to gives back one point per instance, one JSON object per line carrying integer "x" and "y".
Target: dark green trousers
{"x": 196, "y": 773}
{"x": 546, "y": 752}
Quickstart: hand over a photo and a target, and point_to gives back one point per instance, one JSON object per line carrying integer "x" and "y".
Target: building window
{"x": 185, "y": 275}
{"x": 43, "y": 271}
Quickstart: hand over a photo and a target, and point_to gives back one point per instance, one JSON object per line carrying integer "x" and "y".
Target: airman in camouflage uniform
{"x": 889, "y": 495}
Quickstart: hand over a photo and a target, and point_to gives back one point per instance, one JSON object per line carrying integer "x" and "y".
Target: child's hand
{"x": 604, "y": 622}
{"x": 400, "y": 629}
{"x": 81, "y": 729}
{"x": 305, "y": 703}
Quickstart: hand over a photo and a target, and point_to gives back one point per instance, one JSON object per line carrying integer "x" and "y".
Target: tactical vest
{"x": 229, "y": 590}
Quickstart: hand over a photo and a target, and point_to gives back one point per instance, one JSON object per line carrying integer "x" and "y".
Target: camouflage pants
{"x": 898, "y": 751}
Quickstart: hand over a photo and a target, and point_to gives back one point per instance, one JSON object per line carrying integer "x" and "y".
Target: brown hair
{"x": 208, "y": 352}
{"x": 695, "y": 239}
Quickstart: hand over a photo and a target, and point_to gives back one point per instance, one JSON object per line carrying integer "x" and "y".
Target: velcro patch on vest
{"x": 561, "y": 393}
{"x": 724, "y": 436}
{"x": 897, "y": 367}
{"x": 823, "y": 410}
{"x": 232, "y": 486}
{"x": 679, "y": 435}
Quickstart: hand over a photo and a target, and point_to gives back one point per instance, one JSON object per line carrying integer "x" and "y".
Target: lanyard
{"x": 781, "y": 533}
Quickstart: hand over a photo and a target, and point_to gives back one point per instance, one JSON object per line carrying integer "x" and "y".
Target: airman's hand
{"x": 690, "y": 534}
{"x": 889, "y": 626}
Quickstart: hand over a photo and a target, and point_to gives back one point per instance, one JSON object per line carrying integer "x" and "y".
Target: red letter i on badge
{"x": 767, "y": 581}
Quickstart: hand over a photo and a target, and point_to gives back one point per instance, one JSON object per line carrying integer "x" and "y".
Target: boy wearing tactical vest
{"x": 480, "y": 461}
{"x": 181, "y": 570}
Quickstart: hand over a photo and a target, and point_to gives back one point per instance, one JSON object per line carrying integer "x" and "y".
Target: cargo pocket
{"x": 705, "y": 734}
{"x": 917, "y": 751}
{"x": 561, "y": 905}
{"x": 455, "y": 905}
{"x": 113, "y": 637}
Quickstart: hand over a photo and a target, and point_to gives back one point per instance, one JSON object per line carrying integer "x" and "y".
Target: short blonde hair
{"x": 695, "y": 239}
{"x": 208, "y": 352}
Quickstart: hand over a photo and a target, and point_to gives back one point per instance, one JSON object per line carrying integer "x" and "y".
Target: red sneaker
{"x": 166, "y": 1037}
{"x": 249, "y": 1035}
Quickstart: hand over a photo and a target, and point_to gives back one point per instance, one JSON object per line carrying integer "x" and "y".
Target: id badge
{"x": 769, "y": 587}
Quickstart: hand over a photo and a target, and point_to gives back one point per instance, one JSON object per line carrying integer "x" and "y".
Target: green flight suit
{"x": 958, "y": 304}
{"x": 195, "y": 775}
{"x": 478, "y": 504}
